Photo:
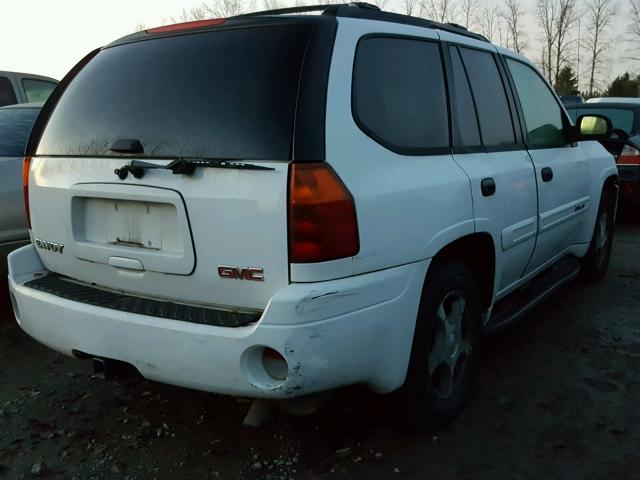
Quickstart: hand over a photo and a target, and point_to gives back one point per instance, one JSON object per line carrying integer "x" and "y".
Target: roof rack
{"x": 371, "y": 12}
{"x": 308, "y": 8}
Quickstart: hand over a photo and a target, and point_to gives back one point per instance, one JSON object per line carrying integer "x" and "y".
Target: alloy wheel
{"x": 451, "y": 344}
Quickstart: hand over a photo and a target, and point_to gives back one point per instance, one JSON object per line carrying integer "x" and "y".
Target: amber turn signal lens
{"x": 322, "y": 215}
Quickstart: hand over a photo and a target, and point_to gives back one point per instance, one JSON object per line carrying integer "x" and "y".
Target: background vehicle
{"x": 568, "y": 100}
{"x": 614, "y": 100}
{"x": 625, "y": 146}
{"x": 18, "y": 87}
{"x": 15, "y": 125}
{"x": 321, "y": 227}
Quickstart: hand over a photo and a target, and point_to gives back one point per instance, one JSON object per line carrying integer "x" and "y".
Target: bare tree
{"x": 194, "y": 13}
{"x": 467, "y": 11}
{"x": 634, "y": 26}
{"x": 488, "y": 20}
{"x": 545, "y": 14}
{"x": 381, "y": 4}
{"x": 600, "y": 14}
{"x": 512, "y": 14}
{"x": 227, "y": 8}
{"x": 410, "y": 6}
{"x": 565, "y": 20}
{"x": 438, "y": 10}
{"x": 273, "y": 4}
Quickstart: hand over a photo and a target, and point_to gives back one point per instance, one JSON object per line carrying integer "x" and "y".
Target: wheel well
{"x": 477, "y": 251}
{"x": 610, "y": 184}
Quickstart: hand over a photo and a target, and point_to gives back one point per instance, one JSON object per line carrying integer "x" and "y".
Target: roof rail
{"x": 309, "y": 8}
{"x": 371, "y": 12}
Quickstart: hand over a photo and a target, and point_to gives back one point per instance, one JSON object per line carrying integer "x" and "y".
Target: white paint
{"x": 362, "y": 336}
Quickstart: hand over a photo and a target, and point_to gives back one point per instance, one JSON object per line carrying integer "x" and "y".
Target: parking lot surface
{"x": 557, "y": 398}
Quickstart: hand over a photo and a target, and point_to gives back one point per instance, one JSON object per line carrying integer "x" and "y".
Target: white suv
{"x": 275, "y": 205}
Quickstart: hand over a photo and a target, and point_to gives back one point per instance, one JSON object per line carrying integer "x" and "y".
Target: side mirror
{"x": 593, "y": 127}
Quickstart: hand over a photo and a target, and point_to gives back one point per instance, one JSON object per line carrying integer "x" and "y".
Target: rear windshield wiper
{"x": 184, "y": 166}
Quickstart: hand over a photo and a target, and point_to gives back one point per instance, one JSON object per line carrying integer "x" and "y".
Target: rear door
{"x": 213, "y": 234}
{"x": 488, "y": 148}
{"x": 562, "y": 169}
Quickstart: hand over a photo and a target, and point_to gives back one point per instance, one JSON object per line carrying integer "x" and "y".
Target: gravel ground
{"x": 557, "y": 398}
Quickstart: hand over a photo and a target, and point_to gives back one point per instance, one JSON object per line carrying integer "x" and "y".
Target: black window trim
{"x": 515, "y": 125}
{"x": 405, "y": 151}
{"x": 308, "y": 142}
{"x": 566, "y": 122}
{"x": 457, "y": 143}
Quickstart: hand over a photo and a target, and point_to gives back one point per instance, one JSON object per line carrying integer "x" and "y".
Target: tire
{"x": 595, "y": 262}
{"x": 432, "y": 395}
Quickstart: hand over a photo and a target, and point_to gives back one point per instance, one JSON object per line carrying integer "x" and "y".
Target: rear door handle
{"x": 547, "y": 174}
{"x": 488, "y": 186}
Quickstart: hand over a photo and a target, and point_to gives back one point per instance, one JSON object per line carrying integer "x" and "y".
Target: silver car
{"x": 15, "y": 126}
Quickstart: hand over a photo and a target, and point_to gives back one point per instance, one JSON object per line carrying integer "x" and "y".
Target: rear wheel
{"x": 444, "y": 355}
{"x": 595, "y": 263}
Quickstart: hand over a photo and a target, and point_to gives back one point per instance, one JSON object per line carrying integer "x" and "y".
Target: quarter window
{"x": 399, "y": 94}
{"x": 542, "y": 114}
{"x": 496, "y": 126}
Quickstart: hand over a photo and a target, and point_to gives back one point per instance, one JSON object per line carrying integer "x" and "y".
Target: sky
{"x": 48, "y": 37}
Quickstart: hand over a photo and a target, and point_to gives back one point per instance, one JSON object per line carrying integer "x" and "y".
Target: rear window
{"x": 37, "y": 90}
{"x": 224, "y": 94}
{"x": 621, "y": 119}
{"x": 15, "y": 127}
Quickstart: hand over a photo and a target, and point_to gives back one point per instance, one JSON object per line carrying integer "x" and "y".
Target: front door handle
{"x": 547, "y": 174}
{"x": 488, "y": 186}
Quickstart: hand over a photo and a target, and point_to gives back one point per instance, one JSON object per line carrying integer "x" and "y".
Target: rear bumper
{"x": 356, "y": 330}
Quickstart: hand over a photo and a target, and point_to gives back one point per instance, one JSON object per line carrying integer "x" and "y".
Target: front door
{"x": 561, "y": 168}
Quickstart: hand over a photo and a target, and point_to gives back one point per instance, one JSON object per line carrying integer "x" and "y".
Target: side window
{"x": 399, "y": 95}
{"x": 7, "y": 95}
{"x": 37, "y": 90}
{"x": 465, "y": 114}
{"x": 496, "y": 126}
{"x": 542, "y": 114}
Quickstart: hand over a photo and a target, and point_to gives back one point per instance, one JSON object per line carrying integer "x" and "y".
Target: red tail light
{"x": 629, "y": 156}
{"x": 322, "y": 215}
{"x": 187, "y": 25}
{"x": 26, "y": 165}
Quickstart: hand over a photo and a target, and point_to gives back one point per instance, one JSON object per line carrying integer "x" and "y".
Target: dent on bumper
{"x": 332, "y": 334}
